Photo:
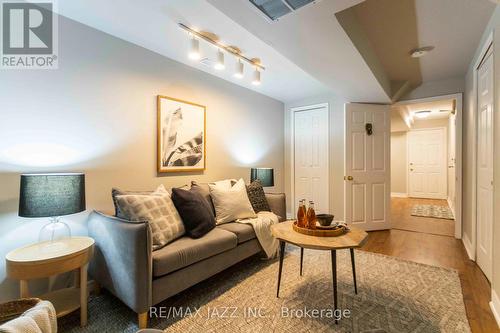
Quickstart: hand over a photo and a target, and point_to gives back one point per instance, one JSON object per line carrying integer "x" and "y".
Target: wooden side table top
{"x": 46, "y": 259}
{"x": 352, "y": 239}
{"x": 44, "y": 251}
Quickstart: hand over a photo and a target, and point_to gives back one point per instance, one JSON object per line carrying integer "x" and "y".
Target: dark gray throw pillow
{"x": 257, "y": 197}
{"x": 195, "y": 212}
{"x": 204, "y": 191}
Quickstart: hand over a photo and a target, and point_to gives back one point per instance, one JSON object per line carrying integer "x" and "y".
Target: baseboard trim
{"x": 399, "y": 195}
{"x": 495, "y": 306}
{"x": 468, "y": 246}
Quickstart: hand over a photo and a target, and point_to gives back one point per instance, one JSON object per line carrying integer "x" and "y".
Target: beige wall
{"x": 399, "y": 162}
{"x": 97, "y": 114}
{"x": 336, "y": 149}
{"x": 470, "y": 113}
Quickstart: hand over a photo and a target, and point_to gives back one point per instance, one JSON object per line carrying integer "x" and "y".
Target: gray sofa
{"x": 125, "y": 264}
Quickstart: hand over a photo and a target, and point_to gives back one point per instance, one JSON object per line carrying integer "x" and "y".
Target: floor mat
{"x": 434, "y": 211}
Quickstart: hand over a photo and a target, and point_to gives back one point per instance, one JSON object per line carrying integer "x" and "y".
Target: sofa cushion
{"x": 277, "y": 203}
{"x": 244, "y": 232}
{"x": 195, "y": 212}
{"x": 159, "y": 210}
{"x": 116, "y": 192}
{"x": 204, "y": 191}
{"x": 231, "y": 203}
{"x": 186, "y": 251}
{"x": 257, "y": 197}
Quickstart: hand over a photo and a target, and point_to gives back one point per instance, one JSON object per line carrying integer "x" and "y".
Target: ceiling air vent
{"x": 274, "y": 9}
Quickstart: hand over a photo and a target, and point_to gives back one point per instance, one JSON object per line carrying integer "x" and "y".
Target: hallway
{"x": 402, "y": 219}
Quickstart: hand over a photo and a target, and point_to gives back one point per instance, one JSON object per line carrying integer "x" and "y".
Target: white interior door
{"x": 311, "y": 157}
{"x": 484, "y": 182}
{"x": 367, "y": 166}
{"x": 427, "y": 161}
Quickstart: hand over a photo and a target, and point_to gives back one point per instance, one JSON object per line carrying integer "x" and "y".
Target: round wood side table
{"x": 47, "y": 259}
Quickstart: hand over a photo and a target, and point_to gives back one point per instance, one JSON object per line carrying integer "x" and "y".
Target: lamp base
{"x": 54, "y": 231}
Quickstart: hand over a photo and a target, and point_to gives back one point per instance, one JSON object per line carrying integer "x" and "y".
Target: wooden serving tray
{"x": 319, "y": 232}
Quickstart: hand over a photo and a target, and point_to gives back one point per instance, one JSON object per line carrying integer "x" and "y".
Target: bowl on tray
{"x": 324, "y": 220}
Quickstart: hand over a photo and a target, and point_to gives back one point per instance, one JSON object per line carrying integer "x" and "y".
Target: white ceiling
{"x": 306, "y": 53}
{"x": 314, "y": 40}
{"x": 153, "y": 25}
{"x": 454, "y": 27}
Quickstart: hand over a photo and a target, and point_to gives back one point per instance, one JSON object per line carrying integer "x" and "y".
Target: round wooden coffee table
{"x": 354, "y": 238}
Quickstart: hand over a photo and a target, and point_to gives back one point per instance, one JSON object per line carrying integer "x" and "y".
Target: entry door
{"x": 311, "y": 157}
{"x": 427, "y": 161}
{"x": 485, "y": 167}
{"x": 367, "y": 166}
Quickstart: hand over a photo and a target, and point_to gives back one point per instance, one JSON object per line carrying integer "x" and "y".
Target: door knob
{"x": 348, "y": 178}
{"x": 411, "y": 169}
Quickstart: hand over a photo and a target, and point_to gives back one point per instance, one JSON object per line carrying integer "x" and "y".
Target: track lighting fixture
{"x": 239, "y": 69}
{"x": 194, "y": 53}
{"x": 256, "y": 77}
{"x": 222, "y": 48}
{"x": 422, "y": 114}
{"x": 219, "y": 65}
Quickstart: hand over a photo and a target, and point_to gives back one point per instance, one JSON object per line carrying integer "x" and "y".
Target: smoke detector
{"x": 421, "y": 51}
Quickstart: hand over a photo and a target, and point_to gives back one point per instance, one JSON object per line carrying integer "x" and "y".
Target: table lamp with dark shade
{"x": 52, "y": 195}
{"x": 265, "y": 175}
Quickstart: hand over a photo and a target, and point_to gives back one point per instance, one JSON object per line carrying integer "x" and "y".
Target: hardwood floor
{"x": 441, "y": 251}
{"x": 402, "y": 219}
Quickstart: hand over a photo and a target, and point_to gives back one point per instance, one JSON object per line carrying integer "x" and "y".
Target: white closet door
{"x": 311, "y": 157}
{"x": 485, "y": 168}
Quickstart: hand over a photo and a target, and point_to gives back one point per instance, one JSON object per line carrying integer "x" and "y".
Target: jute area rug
{"x": 393, "y": 296}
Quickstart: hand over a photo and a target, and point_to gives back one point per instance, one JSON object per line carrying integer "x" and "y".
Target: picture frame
{"x": 181, "y": 135}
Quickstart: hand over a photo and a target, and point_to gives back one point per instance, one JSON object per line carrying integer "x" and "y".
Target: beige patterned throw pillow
{"x": 158, "y": 209}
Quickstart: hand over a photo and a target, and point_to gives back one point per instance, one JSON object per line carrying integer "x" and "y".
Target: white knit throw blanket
{"x": 262, "y": 227}
{"x": 39, "y": 319}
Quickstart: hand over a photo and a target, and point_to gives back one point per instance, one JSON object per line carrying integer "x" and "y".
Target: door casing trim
{"x": 458, "y": 151}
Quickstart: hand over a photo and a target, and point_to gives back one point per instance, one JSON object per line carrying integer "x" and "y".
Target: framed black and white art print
{"x": 181, "y": 135}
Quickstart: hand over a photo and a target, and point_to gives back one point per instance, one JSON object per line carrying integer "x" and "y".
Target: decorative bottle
{"x": 301, "y": 214}
{"x": 311, "y": 216}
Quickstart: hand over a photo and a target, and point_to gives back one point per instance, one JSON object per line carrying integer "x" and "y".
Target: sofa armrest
{"x": 277, "y": 203}
{"x": 122, "y": 259}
